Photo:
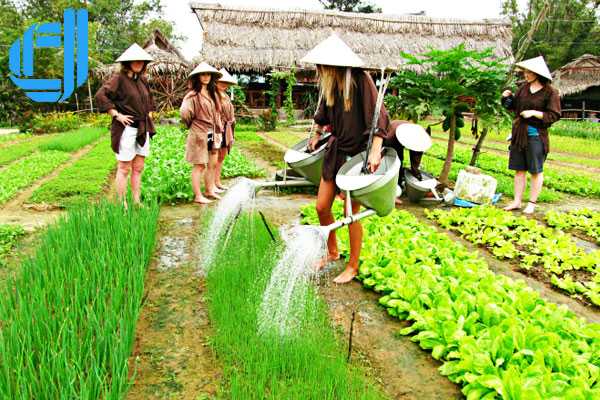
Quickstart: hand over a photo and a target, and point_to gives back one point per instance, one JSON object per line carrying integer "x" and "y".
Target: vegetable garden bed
{"x": 538, "y": 249}
{"x": 495, "y": 336}
{"x": 81, "y": 182}
{"x": 68, "y": 317}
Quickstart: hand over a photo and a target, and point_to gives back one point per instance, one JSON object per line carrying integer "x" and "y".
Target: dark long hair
{"x": 126, "y": 67}
{"x": 196, "y": 85}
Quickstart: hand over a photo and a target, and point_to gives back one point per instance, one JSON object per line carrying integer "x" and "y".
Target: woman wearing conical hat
{"x": 127, "y": 98}
{"x": 348, "y": 104}
{"x": 536, "y": 106}
{"x": 200, "y": 112}
{"x": 228, "y": 122}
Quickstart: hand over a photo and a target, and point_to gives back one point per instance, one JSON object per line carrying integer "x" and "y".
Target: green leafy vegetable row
{"x": 67, "y": 320}
{"x": 9, "y": 235}
{"x": 24, "y": 172}
{"x": 82, "y": 181}
{"x": 509, "y": 236}
{"x": 505, "y": 183}
{"x": 585, "y": 221}
{"x": 167, "y": 173}
{"x": 494, "y": 335}
{"x": 73, "y": 141}
{"x": 558, "y": 179}
{"x": 67, "y": 141}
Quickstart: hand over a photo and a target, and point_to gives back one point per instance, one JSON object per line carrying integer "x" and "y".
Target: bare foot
{"x": 219, "y": 190}
{"x": 213, "y": 195}
{"x": 326, "y": 260}
{"x": 512, "y": 206}
{"x": 529, "y": 209}
{"x": 346, "y": 276}
{"x": 202, "y": 200}
{"x": 398, "y": 201}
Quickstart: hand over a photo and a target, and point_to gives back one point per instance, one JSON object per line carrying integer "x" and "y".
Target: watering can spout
{"x": 279, "y": 184}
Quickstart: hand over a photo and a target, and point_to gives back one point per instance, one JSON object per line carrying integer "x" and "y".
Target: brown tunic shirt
{"x": 350, "y": 130}
{"x": 198, "y": 112}
{"x": 130, "y": 97}
{"x": 228, "y": 120}
{"x": 546, "y": 100}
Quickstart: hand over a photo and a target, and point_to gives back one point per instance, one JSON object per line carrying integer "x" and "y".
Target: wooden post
{"x": 450, "y": 154}
{"x": 90, "y": 95}
{"x": 583, "y": 110}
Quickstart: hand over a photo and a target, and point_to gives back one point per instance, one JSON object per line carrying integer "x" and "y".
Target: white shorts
{"x": 129, "y": 147}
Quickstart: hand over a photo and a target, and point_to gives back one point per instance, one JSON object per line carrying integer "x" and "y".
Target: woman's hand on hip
{"x": 532, "y": 113}
{"x": 124, "y": 119}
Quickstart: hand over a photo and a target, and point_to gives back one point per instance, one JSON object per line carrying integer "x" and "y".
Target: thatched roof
{"x": 246, "y": 39}
{"x": 578, "y": 75}
{"x": 163, "y": 50}
{"x": 168, "y": 60}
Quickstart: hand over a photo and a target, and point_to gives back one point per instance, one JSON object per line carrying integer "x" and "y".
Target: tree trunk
{"x": 450, "y": 154}
{"x": 477, "y": 148}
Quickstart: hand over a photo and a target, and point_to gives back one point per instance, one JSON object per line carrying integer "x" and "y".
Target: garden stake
{"x": 264, "y": 220}
{"x": 350, "y": 335}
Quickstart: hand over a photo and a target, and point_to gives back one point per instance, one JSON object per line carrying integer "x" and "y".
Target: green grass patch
{"x": 26, "y": 171}
{"x": 496, "y": 139}
{"x": 81, "y": 182}
{"x": 287, "y": 138}
{"x": 167, "y": 174}
{"x": 13, "y": 137}
{"x": 67, "y": 141}
{"x": 74, "y": 140}
{"x": 68, "y": 318}
{"x": 309, "y": 365}
{"x": 9, "y": 235}
{"x": 21, "y": 149}
{"x": 260, "y": 148}
{"x": 468, "y": 143}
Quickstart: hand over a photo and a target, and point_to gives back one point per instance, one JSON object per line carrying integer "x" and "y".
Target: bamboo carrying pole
{"x": 385, "y": 80}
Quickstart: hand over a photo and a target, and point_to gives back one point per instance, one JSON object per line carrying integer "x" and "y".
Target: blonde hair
{"x": 336, "y": 80}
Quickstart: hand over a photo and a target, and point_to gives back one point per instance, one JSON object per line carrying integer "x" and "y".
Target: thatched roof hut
{"x": 578, "y": 75}
{"x": 165, "y": 54}
{"x": 253, "y": 40}
{"x": 167, "y": 74}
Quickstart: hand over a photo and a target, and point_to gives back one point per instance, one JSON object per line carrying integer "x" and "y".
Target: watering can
{"x": 305, "y": 163}
{"x": 376, "y": 191}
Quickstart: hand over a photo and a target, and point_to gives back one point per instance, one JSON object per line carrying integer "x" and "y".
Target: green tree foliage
{"x": 571, "y": 29}
{"x": 449, "y": 82}
{"x": 350, "y": 6}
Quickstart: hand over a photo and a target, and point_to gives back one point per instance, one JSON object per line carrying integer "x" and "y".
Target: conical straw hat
{"x": 135, "y": 53}
{"x": 203, "y": 68}
{"x": 413, "y": 137}
{"x": 333, "y": 51}
{"x": 537, "y": 65}
{"x": 226, "y": 77}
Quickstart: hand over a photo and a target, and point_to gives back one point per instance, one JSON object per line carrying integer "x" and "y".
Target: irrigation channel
{"x": 293, "y": 294}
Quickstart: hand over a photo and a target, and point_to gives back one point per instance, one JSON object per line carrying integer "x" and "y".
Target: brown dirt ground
{"x": 172, "y": 358}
